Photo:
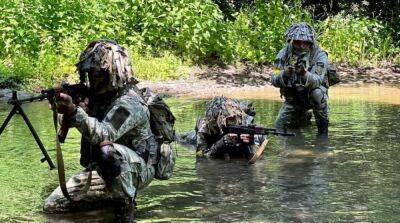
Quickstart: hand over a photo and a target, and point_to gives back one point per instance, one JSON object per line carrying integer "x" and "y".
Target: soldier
{"x": 115, "y": 126}
{"x": 211, "y": 139}
{"x": 302, "y": 80}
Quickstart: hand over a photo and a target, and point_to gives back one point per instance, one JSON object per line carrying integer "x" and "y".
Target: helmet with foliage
{"x": 108, "y": 61}
{"x": 222, "y": 111}
{"x": 300, "y": 31}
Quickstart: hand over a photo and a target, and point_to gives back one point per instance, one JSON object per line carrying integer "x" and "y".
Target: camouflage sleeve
{"x": 201, "y": 144}
{"x": 280, "y": 62}
{"x": 316, "y": 74}
{"x": 277, "y": 80}
{"x": 126, "y": 114}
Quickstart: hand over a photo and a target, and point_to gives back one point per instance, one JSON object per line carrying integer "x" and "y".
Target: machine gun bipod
{"x": 17, "y": 109}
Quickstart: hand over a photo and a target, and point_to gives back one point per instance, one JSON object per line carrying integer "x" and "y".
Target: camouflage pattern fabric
{"x": 126, "y": 124}
{"x": 211, "y": 142}
{"x": 110, "y": 57}
{"x": 166, "y": 163}
{"x": 135, "y": 173}
{"x": 302, "y": 93}
{"x": 300, "y": 31}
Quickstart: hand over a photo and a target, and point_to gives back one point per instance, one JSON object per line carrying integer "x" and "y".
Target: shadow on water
{"x": 353, "y": 176}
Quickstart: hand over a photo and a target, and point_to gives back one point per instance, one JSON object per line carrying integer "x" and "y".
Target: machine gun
{"x": 76, "y": 91}
{"x": 255, "y": 130}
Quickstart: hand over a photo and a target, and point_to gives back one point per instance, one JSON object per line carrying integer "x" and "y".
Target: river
{"x": 351, "y": 177}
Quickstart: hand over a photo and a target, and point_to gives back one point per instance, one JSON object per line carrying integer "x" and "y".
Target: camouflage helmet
{"x": 300, "y": 31}
{"x": 220, "y": 109}
{"x": 109, "y": 56}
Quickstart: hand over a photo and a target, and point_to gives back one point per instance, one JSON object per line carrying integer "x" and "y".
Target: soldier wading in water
{"x": 302, "y": 80}
{"x": 211, "y": 138}
{"x": 115, "y": 126}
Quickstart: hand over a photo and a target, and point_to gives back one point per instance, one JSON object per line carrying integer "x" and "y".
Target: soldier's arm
{"x": 123, "y": 117}
{"x": 201, "y": 144}
{"x": 316, "y": 75}
{"x": 278, "y": 79}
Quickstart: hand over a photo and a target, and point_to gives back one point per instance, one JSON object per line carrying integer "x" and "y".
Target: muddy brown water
{"x": 351, "y": 177}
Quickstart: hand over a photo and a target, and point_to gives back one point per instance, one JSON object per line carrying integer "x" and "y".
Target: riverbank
{"x": 370, "y": 84}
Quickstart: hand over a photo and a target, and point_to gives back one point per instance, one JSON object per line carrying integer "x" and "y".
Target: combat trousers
{"x": 135, "y": 173}
{"x": 292, "y": 115}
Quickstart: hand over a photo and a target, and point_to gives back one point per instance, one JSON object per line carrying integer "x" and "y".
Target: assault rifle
{"x": 298, "y": 63}
{"x": 76, "y": 91}
{"x": 255, "y": 130}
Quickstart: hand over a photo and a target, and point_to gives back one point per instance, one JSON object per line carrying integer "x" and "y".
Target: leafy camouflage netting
{"x": 221, "y": 110}
{"x": 109, "y": 56}
{"x": 300, "y": 31}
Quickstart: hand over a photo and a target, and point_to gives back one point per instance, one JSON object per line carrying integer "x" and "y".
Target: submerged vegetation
{"x": 42, "y": 39}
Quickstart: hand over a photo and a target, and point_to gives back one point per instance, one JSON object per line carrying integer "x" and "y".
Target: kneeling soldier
{"x": 115, "y": 126}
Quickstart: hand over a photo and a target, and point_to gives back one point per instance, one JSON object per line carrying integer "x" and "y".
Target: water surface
{"x": 351, "y": 177}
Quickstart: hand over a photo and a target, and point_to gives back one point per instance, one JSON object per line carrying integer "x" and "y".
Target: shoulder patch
{"x": 119, "y": 117}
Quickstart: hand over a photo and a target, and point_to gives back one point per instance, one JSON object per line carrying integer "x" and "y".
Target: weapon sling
{"x": 60, "y": 164}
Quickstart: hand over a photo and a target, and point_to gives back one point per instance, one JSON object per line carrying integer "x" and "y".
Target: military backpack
{"x": 333, "y": 74}
{"x": 162, "y": 120}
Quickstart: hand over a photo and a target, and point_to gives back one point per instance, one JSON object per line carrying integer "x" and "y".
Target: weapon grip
{"x": 63, "y": 131}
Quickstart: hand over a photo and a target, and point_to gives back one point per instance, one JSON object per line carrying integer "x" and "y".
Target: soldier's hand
{"x": 64, "y": 104}
{"x": 288, "y": 72}
{"x": 300, "y": 70}
{"x": 84, "y": 104}
{"x": 232, "y": 136}
{"x": 245, "y": 138}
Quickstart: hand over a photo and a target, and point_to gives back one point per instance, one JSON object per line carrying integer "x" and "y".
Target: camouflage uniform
{"x": 127, "y": 162}
{"x": 115, "y": 127}
{"x": 212, "y": 142}
{"x": 303, "y": 92}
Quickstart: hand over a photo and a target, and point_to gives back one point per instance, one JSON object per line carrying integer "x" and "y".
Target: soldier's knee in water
{"x": 318, "y": 99}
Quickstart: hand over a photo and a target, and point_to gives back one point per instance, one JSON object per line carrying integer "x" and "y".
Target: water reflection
{"x": 230, "y": 188}
{"x": 302, "y": 169}
{"x": 351, "y": 177}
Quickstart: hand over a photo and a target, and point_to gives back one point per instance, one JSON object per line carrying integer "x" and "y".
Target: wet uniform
{"x": 303, "y": 93}
{"x": 213, "y": 142}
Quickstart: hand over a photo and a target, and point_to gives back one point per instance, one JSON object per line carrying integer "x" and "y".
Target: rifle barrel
{"x": 27, "y": 100}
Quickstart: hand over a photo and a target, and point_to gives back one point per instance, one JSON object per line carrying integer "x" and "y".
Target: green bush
{"x": 257, "y": 32}
{"x": 356, "y": 41}
{"x": 42, "y": 38}
{"x": 164, "y": 67}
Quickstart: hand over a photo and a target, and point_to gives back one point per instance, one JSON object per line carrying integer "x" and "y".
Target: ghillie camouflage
{"x": 300, "y": 31}
{"x": 221, "y": 110}
{"x": 109, "y": 56}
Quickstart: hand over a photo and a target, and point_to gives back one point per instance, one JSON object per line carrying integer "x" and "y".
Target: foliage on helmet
{"x": 220, "y": 109}
{"x": 300, "y": 31}
{"x": 109, "y": 56}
